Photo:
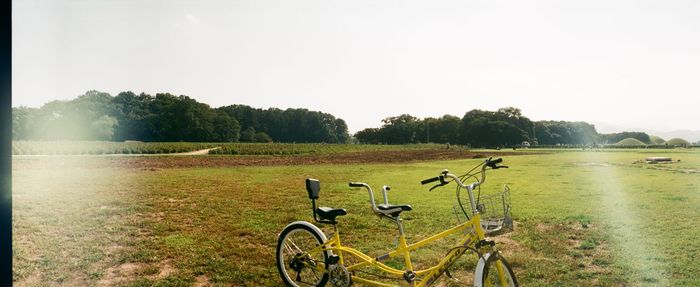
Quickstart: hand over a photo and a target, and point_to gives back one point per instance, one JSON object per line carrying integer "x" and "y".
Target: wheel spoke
{"x": 295, "y": 245}
{"x": 289, "y": 249}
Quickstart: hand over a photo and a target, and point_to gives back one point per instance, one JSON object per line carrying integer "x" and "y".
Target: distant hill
{"x": 657, "y": 140}
{"x": 692, "y": 136}
{"x": 689, "y": 135}
{"x": 630, "y": 142}
{"x": 677, "y": 142}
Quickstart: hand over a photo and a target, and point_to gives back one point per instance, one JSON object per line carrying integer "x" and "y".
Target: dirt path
{"x": 197, "y": 152}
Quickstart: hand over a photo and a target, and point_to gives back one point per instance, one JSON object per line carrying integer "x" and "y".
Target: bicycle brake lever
{"x": 439, "y": 185}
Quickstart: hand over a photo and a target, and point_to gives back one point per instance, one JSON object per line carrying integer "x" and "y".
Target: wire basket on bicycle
{"x": 495, "y": 209}
{"x": 495, "y": 212}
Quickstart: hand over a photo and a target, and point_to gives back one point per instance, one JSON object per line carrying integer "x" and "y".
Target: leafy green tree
{"x": 340, "y": 130}
{"x": 494, "y": 129}
{"x": 400, "y": 130}
{"x": 103, "y": 128}
{"x": 441, "y": 130}
{"x": 168, "y": 124}
{"x": 290, "y": 125}
{"x": 565, "y": 133}
{"x": 226, "y": 129}
{"x": 133, "y": 115}
{"x": 369, "y": 136}
{"x": 23, "y": 123}
{"x": 262, "y": 137}
{"x": 181, "y": 118}
{"x": 59, "y": 120}
{"x": 248, "y": 135}
{"x": 515, "y": 117}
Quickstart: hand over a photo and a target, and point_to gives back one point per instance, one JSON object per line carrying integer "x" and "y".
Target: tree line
{"x": 505, "y": 127}
{"x": 478, "y": 128}
{"x": 169, "y": 118}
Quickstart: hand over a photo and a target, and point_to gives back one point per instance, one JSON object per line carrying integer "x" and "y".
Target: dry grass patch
{"x": 551, "y": 252}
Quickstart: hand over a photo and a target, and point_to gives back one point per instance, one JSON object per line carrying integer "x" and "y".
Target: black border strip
{"x": 6, "y": 144}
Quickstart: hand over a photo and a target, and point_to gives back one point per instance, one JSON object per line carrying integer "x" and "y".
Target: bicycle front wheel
{"x": 494, "y": 271}
{"x": 296, "y": 265}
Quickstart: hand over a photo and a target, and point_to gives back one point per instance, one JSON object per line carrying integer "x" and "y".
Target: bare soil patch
{"x": 120, "y": 274}
{"x": 165, "y": 269}
{"x": 202, "y": 281}
{"x": 153, "y": 163}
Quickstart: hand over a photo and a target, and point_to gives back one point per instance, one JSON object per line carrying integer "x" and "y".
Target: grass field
{"x": 583, "y": 218}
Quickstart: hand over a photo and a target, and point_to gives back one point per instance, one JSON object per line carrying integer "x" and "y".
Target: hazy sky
{"x": 630, "y": 63}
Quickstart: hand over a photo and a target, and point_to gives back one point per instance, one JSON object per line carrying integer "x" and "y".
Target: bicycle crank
{"x": 339, "y": 276}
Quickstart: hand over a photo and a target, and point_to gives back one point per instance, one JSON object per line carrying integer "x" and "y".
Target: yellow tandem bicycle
{"x": 306, "y": 257}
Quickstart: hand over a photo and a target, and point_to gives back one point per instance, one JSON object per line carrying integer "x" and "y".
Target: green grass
{"x": 584, "y": 218}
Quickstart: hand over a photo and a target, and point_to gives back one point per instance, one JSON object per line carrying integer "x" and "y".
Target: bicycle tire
{"x": 487, "y": 267}
{"x": 315, "y": 237}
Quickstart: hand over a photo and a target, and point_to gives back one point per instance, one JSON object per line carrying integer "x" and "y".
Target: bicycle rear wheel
{"x": 495, "y": 271}
{"x": 296, "y": 266}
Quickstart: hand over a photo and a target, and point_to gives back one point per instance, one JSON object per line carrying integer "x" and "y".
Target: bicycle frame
{"x": 429, "y": 275}
{"x": 473, "y": 239}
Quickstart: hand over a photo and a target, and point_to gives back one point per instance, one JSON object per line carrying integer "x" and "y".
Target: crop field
{"x": 101, "y": 147}
{"x": 583, "y": 218}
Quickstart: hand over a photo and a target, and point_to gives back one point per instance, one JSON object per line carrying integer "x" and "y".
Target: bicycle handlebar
{"x": 356, "y": 184}
{"x": 426, "y": 181}
{"x": 371, "y": 194}
{"x": 493, "y": 164}
{"x": 445, "y": 175}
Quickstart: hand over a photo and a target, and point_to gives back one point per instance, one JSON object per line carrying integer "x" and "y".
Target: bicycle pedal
{"x": 409, "y": 276}
{"x": 333, "y": 259}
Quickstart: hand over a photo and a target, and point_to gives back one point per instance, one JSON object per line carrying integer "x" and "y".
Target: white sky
{"x": 629, "y": 63}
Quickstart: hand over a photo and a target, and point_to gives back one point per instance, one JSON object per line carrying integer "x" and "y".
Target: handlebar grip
{"x": 355, "y": 184}
{"x": 426, "y": 181}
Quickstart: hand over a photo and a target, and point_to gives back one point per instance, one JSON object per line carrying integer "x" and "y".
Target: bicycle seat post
{"x": 384, "y": 192}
